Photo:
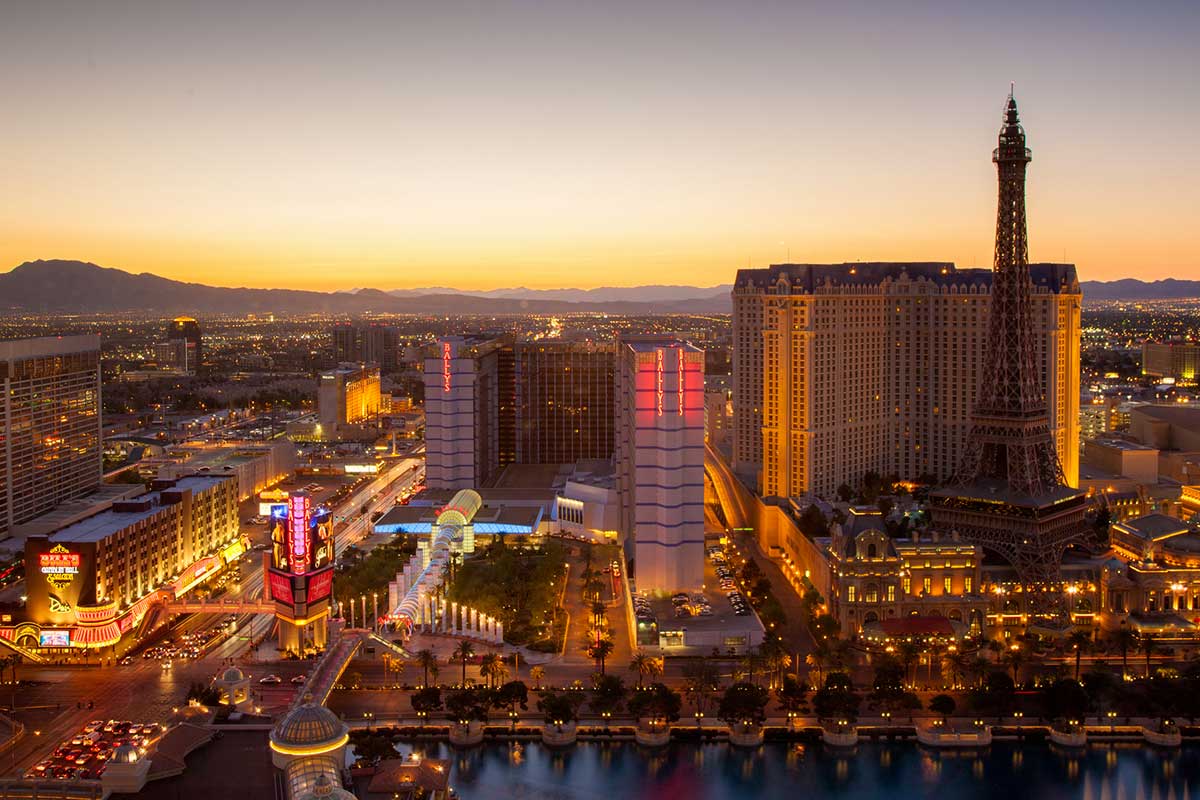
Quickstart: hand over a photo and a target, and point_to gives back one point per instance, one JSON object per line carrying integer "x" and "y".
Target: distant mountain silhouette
{"x": 603, "y": 294}
{"x": 77, "y": 287}
{"x": 1133, "y": 289}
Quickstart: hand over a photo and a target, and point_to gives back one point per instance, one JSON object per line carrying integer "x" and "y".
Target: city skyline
{"x": 580, "y": 146}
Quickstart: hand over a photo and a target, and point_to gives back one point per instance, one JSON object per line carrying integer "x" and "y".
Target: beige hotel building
{"x": 841, "y": 369}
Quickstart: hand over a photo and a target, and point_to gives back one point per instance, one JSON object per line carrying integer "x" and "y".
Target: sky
{"x": 335, "y": 145}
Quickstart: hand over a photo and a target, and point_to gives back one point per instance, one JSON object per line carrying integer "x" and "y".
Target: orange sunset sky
{"x": 547, "y": 144}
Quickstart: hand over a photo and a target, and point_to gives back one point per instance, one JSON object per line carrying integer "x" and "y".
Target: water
{"x": 622, "y": 771}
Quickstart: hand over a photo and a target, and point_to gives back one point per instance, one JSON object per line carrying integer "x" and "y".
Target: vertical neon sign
{"x": 658, "y": 375}
{"x": 298, "y": 514}
{"x": 682, "y": 372}
{"x": 445, "y": 366}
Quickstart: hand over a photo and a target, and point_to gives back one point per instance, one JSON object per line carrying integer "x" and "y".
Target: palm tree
{"x": 537, "y": 674}
{"x": 428, "y": 661}
{"x": 817, "y": 660}
{"x": 1149, "y": 647}
{"x": 701, "y": 680}
{"x": 1015, "y": 658}
{"x": 598, "y": 610}
{"x": 641, "y": 665}
{"x": 957, "y": 664}
{"x": 1079, "y": 641}
{"x": 600, "y": 651}
{"x": 464, "y": 653}
{"x": 1124, "y": 639}
{"x": 979, "y": 668}
{"x": 488, "y": 666}
{"x": 909, "y": 653}
{"x": 752, "y": 661}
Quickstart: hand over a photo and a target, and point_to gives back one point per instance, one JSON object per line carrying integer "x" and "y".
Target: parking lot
{"x": 86, "y": 755}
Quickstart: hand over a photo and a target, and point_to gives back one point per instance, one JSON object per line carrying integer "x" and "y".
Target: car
{"x": 300, "y": 679}
{"x": 682, "y": 612}
{"x": 271, "y": 679}
{"x": 705, "y": 611}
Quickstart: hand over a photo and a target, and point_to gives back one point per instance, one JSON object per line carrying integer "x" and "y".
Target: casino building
{"x": 92, "y": 582}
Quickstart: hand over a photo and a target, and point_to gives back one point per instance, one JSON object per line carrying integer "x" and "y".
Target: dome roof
{"x": 309, "y": 725}
{"x": 325, "y": 789}
{"x": 125, "y": 754}
{"x": 233, "y": 675}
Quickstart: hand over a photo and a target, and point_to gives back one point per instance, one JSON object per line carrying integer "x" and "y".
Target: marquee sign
{"x": 445, "y": 366}
{"x": 299, "y": 506}
{"x": 658, "y": 376}
{"x": 320, "y": 585}
{"x": 281, "y": 588}
{"x": 682, "y": 373}
{"x": 60, "y": 566}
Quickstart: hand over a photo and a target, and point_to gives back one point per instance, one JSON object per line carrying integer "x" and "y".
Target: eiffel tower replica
{"x": 1009, "y": 494}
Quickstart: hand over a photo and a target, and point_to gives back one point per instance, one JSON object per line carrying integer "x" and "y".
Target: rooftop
{"x": 1154, "y": 527}
{"x": 107, "y": 523}
{"x": 806, "y": 278}
{"x": 18, "y": 349}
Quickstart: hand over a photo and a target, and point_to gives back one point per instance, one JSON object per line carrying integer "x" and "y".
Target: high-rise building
{"x": 371, "y": 343}
{"x": 186, "y": 349}
{"x": 463, "y": 420}
{"x": 564, "y": 401}
{"x": 841, "y": 369}
{"x": 491, "y": 402}
{"x": 50, "y": 439}
{"x": 1010, "y": 493}
{"x": 1177, "y": 360}
{"x": 378, "y": 344}
{"x": 348, "y": 395}
{"x": 345, "y": 343}
{"x": 660, "y": 461}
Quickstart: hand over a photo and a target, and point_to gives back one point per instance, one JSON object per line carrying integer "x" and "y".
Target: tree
{"x": 657, "y": 703}
{"x": 1124, "y": 640}
{"x": 468, "y": 705}
{"x": 598, "y": 612}
{"x": 559, "y": 708}
{"x": 608, "y": 695}
{"x": 1064, "y": 699}
{"x": 997, "y": 695}
{"x": 204, "y": 695}
{"x": 537, "y": 675}
{"x": 1149, "y": 647}
{"x": 812, "y": 523}
{"x": 1079, "y": 641}
{"x": 1014, "y": 657}
{"x": 645, "y": 665}
{"x": 791, "y": 693}
{"x": 426, "y": 700}
{"x": 490, "y": 666}
{"x": 511, "y": 695}
{"x": 909, "y": 653}
{"x": 844, "y": 492}
{"x": 888, "y": 681}
{"x": 600, "y": 651}
{"x": 464, "y": 653}
{"x": 942, "y": 704}
{"x": 837, "y": 699}
{"x": 701, "y": 680}
{"x": 743, "y": 704}
{"x": 957, "y": 664}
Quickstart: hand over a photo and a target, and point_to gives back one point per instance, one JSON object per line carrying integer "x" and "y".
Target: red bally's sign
{"x": 445, "y": 366}
{"x": 658, "y": 379}
{"x": 320, "y": 585}
{"x": 281, "y": 588}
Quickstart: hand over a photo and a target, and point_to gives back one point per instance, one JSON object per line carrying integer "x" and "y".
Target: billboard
{"x": 59, "y": 566}
{"x": 281, "y": 588}
{"x": 299, "y": 506}
{"x": 54, "y": 638}
{"x": 320, "y": 585}
{"x": 303, "y": 541}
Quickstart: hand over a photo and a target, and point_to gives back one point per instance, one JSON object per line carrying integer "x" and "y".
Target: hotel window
{"x": 850, "y": 593}
{"x": 908, "y": 585}
{"x": 946, "y": 585}
{"x": 927, "y": 585}
{"x": 967, "y": 585}
{"x": 891, "y": 592}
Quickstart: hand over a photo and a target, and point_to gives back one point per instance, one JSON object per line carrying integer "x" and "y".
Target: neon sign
{"x": 320, "y": 585}
{"x": 658, "y": 378}
{"x": 682, "y": 372}
{"x": 60, "y": 566}
{"x": 298, "y": 511}
{"x": 445, "y": 366}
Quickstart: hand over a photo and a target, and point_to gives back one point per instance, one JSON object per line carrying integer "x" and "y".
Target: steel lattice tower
{"x": 1009, "y": 494}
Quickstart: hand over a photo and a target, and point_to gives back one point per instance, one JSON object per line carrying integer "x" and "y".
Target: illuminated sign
{"x": 445, "y": 366}
{"x": 320, "y": 585}
{"x": 60, "y": 566}
{"x": 272, "y": 509}
{"x": 281, "y": 588}
{"x": 361, "y": 469}
{"x": 658, "y": 375}
{"x": 55, "y": 638}
{"x": 682, "y": 372}
{"x": 298, "y": 508}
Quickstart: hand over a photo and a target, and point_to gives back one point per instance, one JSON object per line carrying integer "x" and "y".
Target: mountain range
{"x": 78, "y": 287}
